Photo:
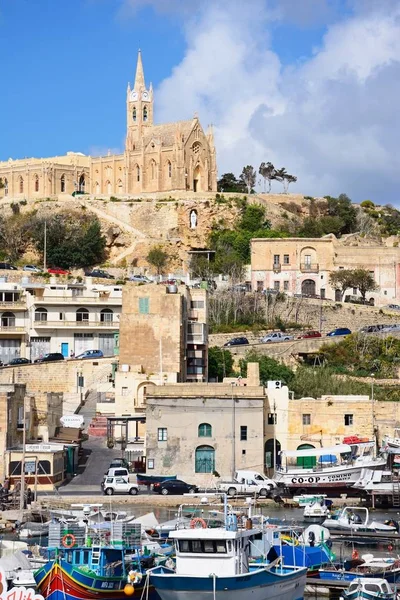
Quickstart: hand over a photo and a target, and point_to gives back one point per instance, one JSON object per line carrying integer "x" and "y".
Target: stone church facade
{"x": 157, "y": 158}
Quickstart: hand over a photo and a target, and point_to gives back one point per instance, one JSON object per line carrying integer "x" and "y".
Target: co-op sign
{"x": 72, "y": 421}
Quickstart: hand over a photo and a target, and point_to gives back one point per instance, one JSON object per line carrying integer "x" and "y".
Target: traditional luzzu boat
{"x": 112, "y": 565}
{"x": 215, "y": 564}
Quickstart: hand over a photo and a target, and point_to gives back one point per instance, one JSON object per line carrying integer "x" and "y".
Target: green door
{"x": 306, "y": 462}
{"x": 205, "y": 459}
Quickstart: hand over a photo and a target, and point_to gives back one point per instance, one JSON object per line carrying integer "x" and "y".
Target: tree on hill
{"x": 363, "y": 281}
{"x": 270, "y": 369}
{"x": 220, "y": 363}
{"x": 343, "y": 208}
{"x": 74, "y": 239}
{"x": 229, "y": 183}
{"x": 267, "y": 172}
{"x": 288, "y": 179}
{"x": 341, "y": 280}
{"x": 158, "y": 258}
{"x": 248, "y": 177}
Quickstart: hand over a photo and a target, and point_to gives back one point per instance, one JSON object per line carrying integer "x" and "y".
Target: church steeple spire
{"x": 139, "y": 77}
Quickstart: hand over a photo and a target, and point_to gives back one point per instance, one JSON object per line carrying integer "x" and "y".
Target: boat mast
{"x": 22, "y": 487}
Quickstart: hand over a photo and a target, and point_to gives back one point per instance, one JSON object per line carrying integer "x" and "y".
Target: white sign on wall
{"x": 72, "y": 421}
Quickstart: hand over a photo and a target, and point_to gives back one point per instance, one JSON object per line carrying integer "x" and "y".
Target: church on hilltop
{"x": 157, "y": 158}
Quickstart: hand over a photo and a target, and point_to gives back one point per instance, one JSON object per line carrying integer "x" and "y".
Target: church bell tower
{"x": 139, "y": 105}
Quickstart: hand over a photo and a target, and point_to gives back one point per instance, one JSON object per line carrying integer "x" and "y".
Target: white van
{"x": 241, "y": 476}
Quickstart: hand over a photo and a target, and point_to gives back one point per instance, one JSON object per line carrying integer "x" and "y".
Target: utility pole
{"x": 45, "y": 247}
{"x": 233, "y": 434}
{"x": 22, "y": 491}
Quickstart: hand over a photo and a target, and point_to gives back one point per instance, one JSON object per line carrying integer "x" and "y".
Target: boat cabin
{"x": 218, "y": 551}
{"x": 367, "y": 587}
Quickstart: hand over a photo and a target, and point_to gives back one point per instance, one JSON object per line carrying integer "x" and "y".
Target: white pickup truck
{"x": 247, "y": 482}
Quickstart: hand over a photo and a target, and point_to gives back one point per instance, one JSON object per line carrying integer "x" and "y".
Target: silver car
{"x": 32, "y": 269}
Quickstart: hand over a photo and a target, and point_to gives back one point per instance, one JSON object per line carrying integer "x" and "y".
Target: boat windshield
{"x": 203, "y": 546}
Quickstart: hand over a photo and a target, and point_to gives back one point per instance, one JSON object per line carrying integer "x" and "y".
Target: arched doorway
{"x": 308, "y": 287}
{"x": 269, "y": 454}
{"x": 81, "y": 186}
{"x": 204, "y": 459}
{"x": 197, "y": 179}
{"x": 306, "y": 462}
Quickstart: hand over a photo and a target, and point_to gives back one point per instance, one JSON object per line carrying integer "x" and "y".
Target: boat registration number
{"x": 108, "y": 584}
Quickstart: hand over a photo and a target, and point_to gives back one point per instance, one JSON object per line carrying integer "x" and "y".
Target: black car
{"x": 19, "y": 361}
{"x": 174, "y": 486}
{"x": 8, "y": 267}
{"x": 101, "y": 274}
{"x": 52, "y": 356}
{"x": 238, "y": 341}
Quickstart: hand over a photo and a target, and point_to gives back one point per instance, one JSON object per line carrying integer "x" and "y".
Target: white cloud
{"x": 331, "y": 120}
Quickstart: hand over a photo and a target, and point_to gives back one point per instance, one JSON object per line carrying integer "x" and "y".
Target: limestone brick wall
{"x": 308, "y": 312}
{"x": 60, "y": 376}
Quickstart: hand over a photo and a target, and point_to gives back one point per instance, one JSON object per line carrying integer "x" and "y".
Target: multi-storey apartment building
{"x": 303, "y": 265}
{"x": 37, "y": 318}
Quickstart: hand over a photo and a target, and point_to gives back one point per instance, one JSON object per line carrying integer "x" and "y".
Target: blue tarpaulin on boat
{"x": 327, "y": 458}
{"x": 309, "y": 556}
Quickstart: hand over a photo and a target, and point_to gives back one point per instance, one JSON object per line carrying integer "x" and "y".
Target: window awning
{"x": 338, "y": 449}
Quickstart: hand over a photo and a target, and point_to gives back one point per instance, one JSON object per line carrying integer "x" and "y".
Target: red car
{"x": 57, "y": 271}
{"x": 309, "y": 334}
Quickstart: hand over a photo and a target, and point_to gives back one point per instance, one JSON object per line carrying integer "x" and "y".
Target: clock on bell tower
{"x": 139, "y": 104}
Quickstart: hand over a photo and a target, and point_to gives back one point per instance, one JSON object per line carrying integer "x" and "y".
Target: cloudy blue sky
{"x": 312, "y": 85}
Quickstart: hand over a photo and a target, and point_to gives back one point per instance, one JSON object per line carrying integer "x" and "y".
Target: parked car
{"x": 8, "y": 267}
{"x": 32, "y": 269}
{"x": 91, "y": 354}
{"x": 276, "y": 336}
{"x": 117, "y": 463}
{"x": 339, "y": 331}
{"x": 393, "y": 306}
{"x": 140, "y": 279}
{"x": 116, "y": 472}
{"x": 174, "y": 486}
{"x": 50, "y": 357}
{"x": 57, "y": 271}
{"x": 101, "y": 274}
{"x": 119, "y": 485}
{"x": 358, "y": 300}
{"x": 19, "y": 361}
{"x": 237, "y": 341}
{"x": 309, "y": 334}
{"x": 372, "y": 328}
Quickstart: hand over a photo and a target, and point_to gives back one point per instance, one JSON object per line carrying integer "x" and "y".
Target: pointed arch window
{"x": 169, "y": 168}
{"x": 6, "y": 187}
{"x": 145, "y": 114}
{"x": 137, "y": 173}
{"x": 36, "y": 184}
{"x": 21, "y": 185}
{"x": 119, "y": 186}
{"x": 153, "y": 169}
{"x": 108, "y": 187}
{"x": 134, "y": 114}
{"x": 97, "y": 187}
{"x": 62, "y": 183}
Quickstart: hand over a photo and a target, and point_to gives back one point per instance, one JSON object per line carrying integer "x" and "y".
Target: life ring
{"x": 68, "y": 537}
{"x": 355, "y": 555}
{"x": 194, "y": 523}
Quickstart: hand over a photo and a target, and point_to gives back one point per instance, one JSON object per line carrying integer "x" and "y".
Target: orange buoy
{"x": 129, "y": 590}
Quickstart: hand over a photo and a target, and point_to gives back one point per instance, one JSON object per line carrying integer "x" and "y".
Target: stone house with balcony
{"x": 37, "y": 318}
{"x": 303, "y": 265}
